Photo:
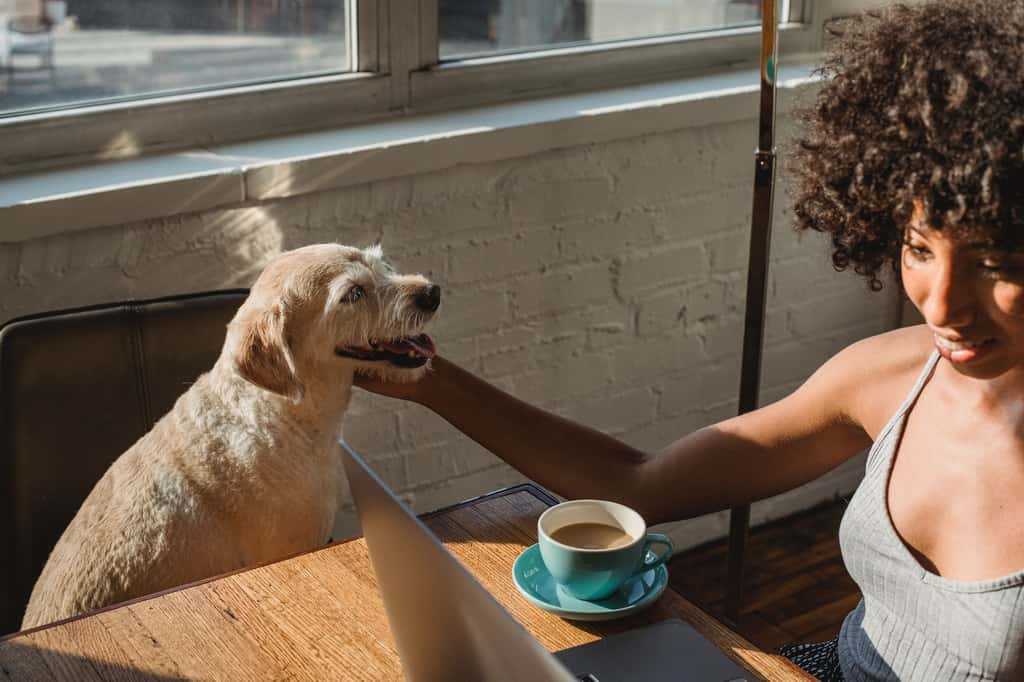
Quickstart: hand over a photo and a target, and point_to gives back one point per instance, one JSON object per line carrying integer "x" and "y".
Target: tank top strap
{"x": 886, "y": 441}
{"x": 922, "y": 379}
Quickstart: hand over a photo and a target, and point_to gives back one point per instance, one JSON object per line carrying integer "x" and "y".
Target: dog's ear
{"x": 264, "y": 354}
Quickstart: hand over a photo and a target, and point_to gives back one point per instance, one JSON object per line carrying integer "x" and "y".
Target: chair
{"x": 26, "y": 28}
{"x": 77, "y": 388}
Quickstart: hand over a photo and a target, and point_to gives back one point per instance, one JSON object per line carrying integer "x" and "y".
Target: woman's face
{"x": 971, "y": 296}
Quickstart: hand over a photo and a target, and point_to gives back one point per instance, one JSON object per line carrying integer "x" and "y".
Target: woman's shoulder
{"x": 900, "y": 350}
{"x": 884, "y": 369}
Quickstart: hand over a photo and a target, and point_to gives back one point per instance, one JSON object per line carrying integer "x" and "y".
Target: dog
{"x": 245, "y": 468}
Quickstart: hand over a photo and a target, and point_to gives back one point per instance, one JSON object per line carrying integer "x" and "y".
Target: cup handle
{"x": 659, "y": 559}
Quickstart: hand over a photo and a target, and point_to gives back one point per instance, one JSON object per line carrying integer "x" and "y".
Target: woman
{"x": 913, "y": 158}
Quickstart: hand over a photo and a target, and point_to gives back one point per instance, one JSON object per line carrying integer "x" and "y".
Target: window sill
{"x": 43, "y": 204}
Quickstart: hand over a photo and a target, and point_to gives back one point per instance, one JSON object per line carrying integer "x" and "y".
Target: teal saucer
{"x": 540, "y": 589}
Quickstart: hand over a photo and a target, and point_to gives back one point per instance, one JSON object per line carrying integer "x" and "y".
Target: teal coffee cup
{"x": 591, "y": 547}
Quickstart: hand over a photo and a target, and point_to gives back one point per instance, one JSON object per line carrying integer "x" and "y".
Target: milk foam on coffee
{"x": 591, "y": 536}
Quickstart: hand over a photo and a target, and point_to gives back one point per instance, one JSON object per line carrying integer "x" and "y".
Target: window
{"x": 470, "y": 28}
{"x": 104, "y": 79}
{"x": 62, "y": 53}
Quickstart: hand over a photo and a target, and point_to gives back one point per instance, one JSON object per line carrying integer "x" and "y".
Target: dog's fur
{"x": 245, "y": 467}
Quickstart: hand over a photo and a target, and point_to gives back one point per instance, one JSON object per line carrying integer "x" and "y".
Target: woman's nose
{"x": 950, "y": 302}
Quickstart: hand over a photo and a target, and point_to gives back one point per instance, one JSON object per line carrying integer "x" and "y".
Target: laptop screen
{"x": 445, "y": 624}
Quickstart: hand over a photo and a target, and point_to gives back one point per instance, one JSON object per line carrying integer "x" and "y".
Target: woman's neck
{"x": 1000, "y": 398}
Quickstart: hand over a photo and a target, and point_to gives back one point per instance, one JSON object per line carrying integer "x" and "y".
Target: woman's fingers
{"x": 392, "y": 389}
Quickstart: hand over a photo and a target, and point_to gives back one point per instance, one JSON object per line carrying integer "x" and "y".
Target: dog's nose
{"x": 429, "y": 297}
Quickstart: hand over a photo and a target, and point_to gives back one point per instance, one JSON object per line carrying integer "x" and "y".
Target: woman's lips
{"x": 962, "y": 350}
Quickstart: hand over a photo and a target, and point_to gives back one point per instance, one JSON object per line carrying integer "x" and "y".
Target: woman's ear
{"x": 263, "y": 355}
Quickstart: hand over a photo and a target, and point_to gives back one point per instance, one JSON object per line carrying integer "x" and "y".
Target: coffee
{"x": 592, "y": 536}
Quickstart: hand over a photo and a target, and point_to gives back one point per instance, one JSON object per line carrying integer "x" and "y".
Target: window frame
{"x": 453, "y": 84}
{"x": 394, "y": 52}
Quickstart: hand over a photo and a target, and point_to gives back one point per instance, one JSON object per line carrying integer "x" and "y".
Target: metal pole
{"x": 757, "y": 276}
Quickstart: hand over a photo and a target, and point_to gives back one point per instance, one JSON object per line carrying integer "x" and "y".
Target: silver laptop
{"x": 448, "y": 627}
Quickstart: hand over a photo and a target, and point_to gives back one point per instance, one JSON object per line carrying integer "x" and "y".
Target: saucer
{"x": 540, "y": 589}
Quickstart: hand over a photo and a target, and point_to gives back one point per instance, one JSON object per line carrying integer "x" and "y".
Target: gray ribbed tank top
{"x": 913, "y": 624}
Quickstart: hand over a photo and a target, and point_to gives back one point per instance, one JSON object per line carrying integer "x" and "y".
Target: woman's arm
{"x": 736, "y": 461}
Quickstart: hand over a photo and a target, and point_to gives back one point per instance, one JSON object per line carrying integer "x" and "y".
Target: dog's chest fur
{"x": 282, "y": 469}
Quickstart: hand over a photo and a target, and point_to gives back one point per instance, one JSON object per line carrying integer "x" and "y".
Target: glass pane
{"x": 72, "y": 52}
{"x": 481, "y": 27}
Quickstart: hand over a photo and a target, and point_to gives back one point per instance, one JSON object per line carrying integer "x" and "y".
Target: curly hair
{"x": 920, "y": 103}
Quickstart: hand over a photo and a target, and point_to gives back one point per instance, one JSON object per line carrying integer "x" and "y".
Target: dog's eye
{"x": 353, "y": 294}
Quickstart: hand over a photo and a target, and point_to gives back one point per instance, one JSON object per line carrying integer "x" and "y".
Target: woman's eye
{"x": 918, "y": 252}
{"x": 1004, "y": 269}
{"x": 353, "y": 294}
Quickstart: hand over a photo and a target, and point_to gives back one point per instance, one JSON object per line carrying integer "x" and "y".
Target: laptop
{"x": 447, "y": 626}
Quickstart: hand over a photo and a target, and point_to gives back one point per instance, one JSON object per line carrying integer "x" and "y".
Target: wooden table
{"x": 318, "y": 615}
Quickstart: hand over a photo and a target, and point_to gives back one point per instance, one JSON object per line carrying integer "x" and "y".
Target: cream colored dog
{"x": 245, "y": 467}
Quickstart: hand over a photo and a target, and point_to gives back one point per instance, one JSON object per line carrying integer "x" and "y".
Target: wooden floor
{"x": 796, "y": 586}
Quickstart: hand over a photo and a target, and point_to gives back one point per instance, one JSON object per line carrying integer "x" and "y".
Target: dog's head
{"x": 330, "y": 306}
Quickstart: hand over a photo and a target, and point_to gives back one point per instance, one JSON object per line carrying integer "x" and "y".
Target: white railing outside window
{"x": 88, "y": 80}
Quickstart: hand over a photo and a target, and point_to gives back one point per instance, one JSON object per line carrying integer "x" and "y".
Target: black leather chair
{"x": 77, "y": 388}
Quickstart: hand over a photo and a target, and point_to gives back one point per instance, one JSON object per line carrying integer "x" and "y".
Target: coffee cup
{"x": 591, "y": 547}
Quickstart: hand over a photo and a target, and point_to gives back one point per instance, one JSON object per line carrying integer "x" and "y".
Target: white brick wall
{"x": 603, "y": 281}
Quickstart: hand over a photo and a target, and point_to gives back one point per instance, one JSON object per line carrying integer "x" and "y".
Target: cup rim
{"x": 548, "y": 538}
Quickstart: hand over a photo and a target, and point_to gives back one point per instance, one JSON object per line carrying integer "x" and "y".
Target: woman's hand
{"x": 403, "y": 390}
